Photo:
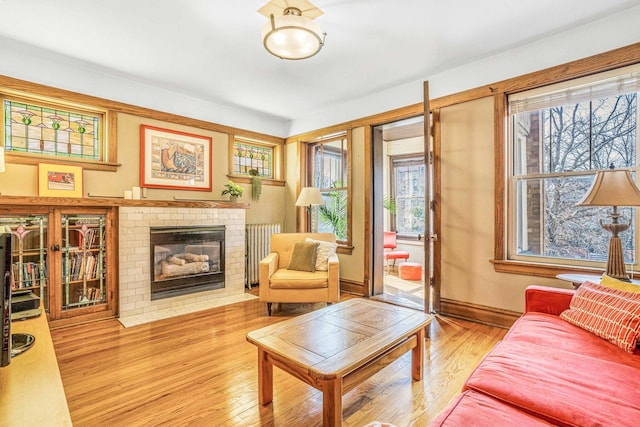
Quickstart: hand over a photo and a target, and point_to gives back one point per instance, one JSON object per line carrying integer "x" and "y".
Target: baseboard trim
{"x": 478, "y": 313}
{"x": 352, "y": 287}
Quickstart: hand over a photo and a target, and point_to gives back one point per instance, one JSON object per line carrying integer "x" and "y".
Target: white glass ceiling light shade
{"x": 292, "y": 36}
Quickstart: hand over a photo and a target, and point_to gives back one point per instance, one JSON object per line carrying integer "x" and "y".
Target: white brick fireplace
{"x": 136, "y": 305}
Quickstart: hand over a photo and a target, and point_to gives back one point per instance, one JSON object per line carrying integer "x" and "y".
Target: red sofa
{"x": 547, "y": 371}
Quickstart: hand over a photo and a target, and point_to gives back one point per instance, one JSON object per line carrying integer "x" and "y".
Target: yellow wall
{"x": 21, "y": 180}
{"x": 352, "y": 266}
{"x": 292, "y": 174}
{"x": 467, "y": 235}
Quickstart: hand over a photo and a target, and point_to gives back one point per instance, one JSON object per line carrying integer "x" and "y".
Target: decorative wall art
{"x": 59, "y": 180}
{"x": 174, "y": 160}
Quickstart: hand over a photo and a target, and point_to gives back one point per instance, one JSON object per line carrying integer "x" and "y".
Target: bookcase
{"x": 83, "y": 260}
{"x": 29, "y": 254}
{"x": 67, "y": 257}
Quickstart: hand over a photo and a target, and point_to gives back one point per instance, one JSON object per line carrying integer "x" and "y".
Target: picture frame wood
{"x": 176, "y": 160}
{"x": 60, "y": 180}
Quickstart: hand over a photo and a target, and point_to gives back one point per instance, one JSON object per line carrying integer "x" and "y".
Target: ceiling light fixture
{"x": 292, "y": 36}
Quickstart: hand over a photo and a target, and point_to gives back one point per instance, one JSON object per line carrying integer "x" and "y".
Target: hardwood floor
{"x": 199, "y": 370}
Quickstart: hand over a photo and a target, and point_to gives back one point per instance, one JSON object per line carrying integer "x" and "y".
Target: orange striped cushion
{"x": 611, "y": 314}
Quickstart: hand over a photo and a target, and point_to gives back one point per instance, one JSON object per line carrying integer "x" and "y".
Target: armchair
{"x": 279, "y": 284}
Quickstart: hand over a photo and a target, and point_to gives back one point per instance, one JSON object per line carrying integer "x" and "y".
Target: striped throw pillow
{"x": 611, "y": 314}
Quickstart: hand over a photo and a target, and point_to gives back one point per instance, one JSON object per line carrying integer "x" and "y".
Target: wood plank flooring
{"x": 199, "y": 370}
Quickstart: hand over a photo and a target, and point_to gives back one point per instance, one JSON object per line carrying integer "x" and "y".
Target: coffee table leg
{"x": 265, "y": 378}
{"x": 332, "y": 403}
{"x": 417, "y": 357}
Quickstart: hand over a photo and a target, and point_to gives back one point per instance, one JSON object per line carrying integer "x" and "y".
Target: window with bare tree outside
{"x": 560, "y": 136}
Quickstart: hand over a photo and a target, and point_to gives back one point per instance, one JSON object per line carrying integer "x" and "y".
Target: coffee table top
{"x": 333, "y": 341}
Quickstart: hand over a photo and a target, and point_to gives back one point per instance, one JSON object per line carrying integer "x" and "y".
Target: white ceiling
{"x": 211, "y": 49}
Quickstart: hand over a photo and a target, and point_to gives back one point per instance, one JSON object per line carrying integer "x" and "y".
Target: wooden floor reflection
{"x": 198, "y": 369}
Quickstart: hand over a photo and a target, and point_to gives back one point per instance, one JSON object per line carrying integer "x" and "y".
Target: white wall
{"x": 36, "y": 65}
{"x": 600, "y": 36}
{"x": 28, "y": 63}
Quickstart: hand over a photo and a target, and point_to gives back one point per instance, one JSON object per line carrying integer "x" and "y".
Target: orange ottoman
{"x": 410, "y": 271}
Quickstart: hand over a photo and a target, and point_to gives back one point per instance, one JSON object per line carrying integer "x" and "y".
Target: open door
{"x": 402, "y": 169}
{"x": 432, "y": 283}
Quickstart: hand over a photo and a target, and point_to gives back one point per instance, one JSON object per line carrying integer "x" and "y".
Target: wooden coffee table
{"x": 336, "y": 348}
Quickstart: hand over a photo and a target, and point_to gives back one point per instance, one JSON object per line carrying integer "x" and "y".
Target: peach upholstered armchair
{"x": 280, "y": 281}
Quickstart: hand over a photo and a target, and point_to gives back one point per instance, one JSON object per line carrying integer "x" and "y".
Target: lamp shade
{"x": 309, "y": 196}
{"x": 292, "y": 36}
{"x": 612, "y": 188}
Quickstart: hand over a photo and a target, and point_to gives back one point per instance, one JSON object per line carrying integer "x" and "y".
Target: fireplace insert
{"x": 186, "y": 259}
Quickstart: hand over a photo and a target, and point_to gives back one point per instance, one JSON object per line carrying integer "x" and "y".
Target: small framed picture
{"x": 174, "y": 160}
{"x": 59, "y": 180}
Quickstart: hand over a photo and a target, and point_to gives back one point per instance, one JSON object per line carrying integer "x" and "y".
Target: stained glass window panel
{"x": 32, "y": 128}
{"x": 252, "y": 156}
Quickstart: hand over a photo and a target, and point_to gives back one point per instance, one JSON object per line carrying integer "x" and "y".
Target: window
{"x": 560, "y": 136}
{"x": 407, "y": 191}
{"x": 329, "y": 160}
{"x": 40, "y": 128}
{"x": 252, "y": 156}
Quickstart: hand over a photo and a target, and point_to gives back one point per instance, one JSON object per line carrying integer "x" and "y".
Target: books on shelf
{"x": 28, "y": 275}
{"x": 81, "y": 267}
{"x": 91, "y": 295}
{"x": 92, "y": 238}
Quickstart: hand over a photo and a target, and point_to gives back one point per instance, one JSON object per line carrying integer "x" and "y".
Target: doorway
{"x": 401, "y": 245}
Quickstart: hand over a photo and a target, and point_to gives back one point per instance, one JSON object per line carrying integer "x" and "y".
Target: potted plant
{"x": 233, "y": 190}
{"x": 256, "y": 184}
{"x": 389, "y": 203}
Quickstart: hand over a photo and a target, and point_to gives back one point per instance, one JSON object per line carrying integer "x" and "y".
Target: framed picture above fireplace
{"x": 174, "y": 160}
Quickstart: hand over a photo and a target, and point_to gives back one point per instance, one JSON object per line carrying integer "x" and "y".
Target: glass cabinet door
{"x": 29, "y": 254}
{"x": 83, "y": 261}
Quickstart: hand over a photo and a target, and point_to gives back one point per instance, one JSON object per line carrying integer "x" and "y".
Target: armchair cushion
{"x": 280, "y": 284}
{"x": 292, "y": 279}
{"x": 303, "y": 257}
{"x": 325, "y": 250}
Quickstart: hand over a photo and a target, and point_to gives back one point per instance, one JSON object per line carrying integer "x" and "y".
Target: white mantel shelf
{"x": 118, "y": 201}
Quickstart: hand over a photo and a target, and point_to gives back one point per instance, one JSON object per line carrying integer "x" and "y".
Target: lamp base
{"x": 615, "y": 261}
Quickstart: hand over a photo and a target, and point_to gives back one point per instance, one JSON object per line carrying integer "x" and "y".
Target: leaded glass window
{"x": 30, "y": 127}
{"x": 249, "y": 156}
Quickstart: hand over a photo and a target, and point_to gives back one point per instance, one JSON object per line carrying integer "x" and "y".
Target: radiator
{"x": 258, "y": 246}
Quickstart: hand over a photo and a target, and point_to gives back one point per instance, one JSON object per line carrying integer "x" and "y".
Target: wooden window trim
{"x": 607, "y": 61}
{"x": 346, "y": 246}
{"x": 107, "y": 144}
{"x": 415, "y": 159}
{"x": 278, "y": 160}
{"x": 114, "y": 108}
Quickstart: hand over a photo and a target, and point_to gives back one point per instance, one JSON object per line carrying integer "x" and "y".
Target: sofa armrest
{"x": 544, "y": 299}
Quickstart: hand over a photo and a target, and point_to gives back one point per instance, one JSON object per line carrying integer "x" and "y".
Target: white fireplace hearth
{"x": 136, "y": 306}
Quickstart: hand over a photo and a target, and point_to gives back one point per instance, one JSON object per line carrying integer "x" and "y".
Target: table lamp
{"x": 309, "y": 196}
{"x": 613, "y": 188}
